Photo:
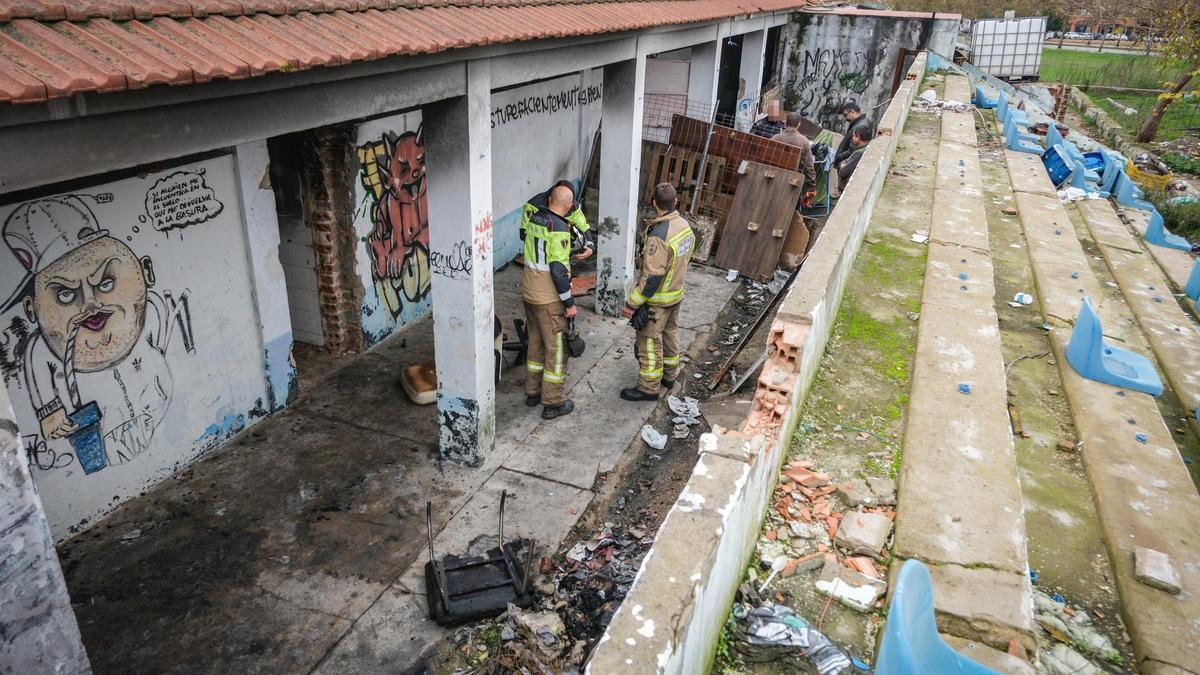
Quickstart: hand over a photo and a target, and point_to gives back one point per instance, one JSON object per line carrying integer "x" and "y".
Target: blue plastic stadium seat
{"x": 1114, "y": 167}
{"x": 1004, "y": 111}
{"x": 1014, "y": 143}
{"x": 1020, "y": 134}
{"x": 1053, "y": 137}
{"x": 1092, "y": 358}
{"x": 1156, "y": 233}
{"x": 911, "y": 644}
{"x": 982, "y": 101}
{"x": 1128, "y": 194}
{"x": 1079, "y": 177}
{"x": 1193, "y": 283}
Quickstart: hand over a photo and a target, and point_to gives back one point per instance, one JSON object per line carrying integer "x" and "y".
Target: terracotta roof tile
{"x": 54, "y": 48}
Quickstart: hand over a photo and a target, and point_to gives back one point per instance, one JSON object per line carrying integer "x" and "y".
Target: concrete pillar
{"x": 269, "y": 287}
{"x": 702, "y": 80}
{"x": 620, "y": 160}
{"x": 458, "y": 149}
{"x": 37, "y": 624}
{"x": 754, "y": 50}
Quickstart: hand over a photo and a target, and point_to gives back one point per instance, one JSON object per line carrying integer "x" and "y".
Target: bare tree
{"x": 1178, "y": 23}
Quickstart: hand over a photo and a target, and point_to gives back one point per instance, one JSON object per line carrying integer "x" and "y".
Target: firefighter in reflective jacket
{"x": 550, "y": 222}
{"x": 653, "y": 306}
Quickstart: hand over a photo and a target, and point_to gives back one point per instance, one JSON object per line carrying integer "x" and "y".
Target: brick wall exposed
{"x": 330, "y": 170}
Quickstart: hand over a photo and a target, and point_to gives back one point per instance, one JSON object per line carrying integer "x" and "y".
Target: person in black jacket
{"x": 855, "y": 120}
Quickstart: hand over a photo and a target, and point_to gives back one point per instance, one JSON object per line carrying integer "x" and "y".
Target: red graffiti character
{"x": 400, "y": 239}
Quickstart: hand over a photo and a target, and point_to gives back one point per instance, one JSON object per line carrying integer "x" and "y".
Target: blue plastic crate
{"x": 1093, "y": 161}
{"x": 1057, "y": 165}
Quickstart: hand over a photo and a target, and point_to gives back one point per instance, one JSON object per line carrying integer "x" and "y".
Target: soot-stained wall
{"x": 541, "y": 133}
{"x": 130, "y": 339}
{"x": 830, "y": 57}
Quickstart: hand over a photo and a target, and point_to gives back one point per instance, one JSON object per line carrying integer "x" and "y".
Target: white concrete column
{"x": 36, "y": 619}
{"x": 458, "y": 159}
{"x": 269, "y": 288}
{"x": 754, "y": 51}
{"x": 620, "y": 167}
{"x": 702, "y": 80}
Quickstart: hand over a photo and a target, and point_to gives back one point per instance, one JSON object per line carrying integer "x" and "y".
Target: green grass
{"x": 1180, "y": 115}
{"x": 1084, "y": 69}
{"x": 1180, "y": 219}
{"x": 1181, "y": 164}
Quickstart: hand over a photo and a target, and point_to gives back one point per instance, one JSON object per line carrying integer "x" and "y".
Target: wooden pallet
{"x": 734, "y": 146}
{"x": 662, "y": 163}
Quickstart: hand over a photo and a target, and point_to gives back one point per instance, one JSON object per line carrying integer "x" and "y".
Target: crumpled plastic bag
{"x": 687, "y": 410}
{"x": 653, "y": 438}
{"x": 774, "y": 625}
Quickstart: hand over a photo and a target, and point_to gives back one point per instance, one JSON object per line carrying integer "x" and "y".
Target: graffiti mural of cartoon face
{"x": 394, "y": 172}
{"x": 101, "y": 286}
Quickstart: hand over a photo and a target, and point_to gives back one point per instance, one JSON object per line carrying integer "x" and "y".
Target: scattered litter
{"x": 1009, "y": 210}
{"x": 653, "y": 438}
{"x": 778, "y": 281}
{"x": 1070, "y": 626}
{"x": 732, "y": 275}
{"x": 545, "y": 629}
{"x": 914, "y": 316}
{"x": 853, "y": 589}
{"x": 1071, "y": 194}
{"x": 131, "y": 535}
{"x": 1023, "y": 298}
{"x": 680, "y": 431}
{"x": 964, "y": 388}
{"x": 773, "y": 631}
{"x": 1141, "y": 438}
{"x": 687, "y": 410}
{"x": 920, "y": 237}
{"x": 1062, "y": 660}
{"x": 777, "y": 566}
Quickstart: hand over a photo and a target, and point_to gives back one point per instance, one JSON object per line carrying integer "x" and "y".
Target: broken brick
{"x": 1154, "y": 569}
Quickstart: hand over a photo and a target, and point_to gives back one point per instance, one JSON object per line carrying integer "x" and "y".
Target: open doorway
{"x": 297, "y": 257}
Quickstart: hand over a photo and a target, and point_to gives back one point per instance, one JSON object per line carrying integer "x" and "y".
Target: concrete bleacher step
{"x": 1177, "y": 265}
{"x": 959, "y": 504}
{"x": 1170, "y": 331}
{"x": 1143, "y": 492}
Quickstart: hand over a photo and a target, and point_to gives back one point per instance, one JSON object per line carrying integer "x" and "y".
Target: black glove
{"x": 641, "y": 317}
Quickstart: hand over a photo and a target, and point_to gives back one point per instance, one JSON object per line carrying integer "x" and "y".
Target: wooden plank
{"x": 759, "y": 219}
{"x": 735, "y": 146}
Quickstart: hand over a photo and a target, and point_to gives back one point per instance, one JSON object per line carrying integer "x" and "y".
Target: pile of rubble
{"x": 1074, "y": 637}
{"x": 806, "y": 531}
{"x": 838, "y": 532}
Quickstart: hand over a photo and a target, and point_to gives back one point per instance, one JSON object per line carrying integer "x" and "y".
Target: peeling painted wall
{"x": 541, "y": 133}
{"x": 130, "y": 340}
{"x": 829, "y": 58}
{"x": 38, "y": 633}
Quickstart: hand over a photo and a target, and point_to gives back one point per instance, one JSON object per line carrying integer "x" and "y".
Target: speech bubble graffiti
{"x": 181, "y": 199}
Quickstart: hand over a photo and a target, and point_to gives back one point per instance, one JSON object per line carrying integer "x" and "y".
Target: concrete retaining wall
{"x": 673, "y": 614}
{"x": 1110, "y": 131}
{"x": 830, "y": 56}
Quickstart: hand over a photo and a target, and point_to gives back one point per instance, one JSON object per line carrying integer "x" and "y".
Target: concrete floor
{"x": 298, "y": 546}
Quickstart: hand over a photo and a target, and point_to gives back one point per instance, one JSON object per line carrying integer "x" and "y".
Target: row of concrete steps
{"x": 1143, "y": 492}
{"x": 971, "y": 536}
{"x": 1171, "y": 332}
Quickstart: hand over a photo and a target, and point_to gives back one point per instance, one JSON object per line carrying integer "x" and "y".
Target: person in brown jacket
{"x": 792, "y": 136}
{"x": 653, "y": 306}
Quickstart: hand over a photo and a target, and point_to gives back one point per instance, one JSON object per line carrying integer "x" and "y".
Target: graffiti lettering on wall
{"x": 88, "y": 323}
{"x": 830, "y": 77}
{"x": 567, "y": 99}
{"x": 393, "y": 174}
{"x": 181, "y": 199}
{"x": 455, "y": 264}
